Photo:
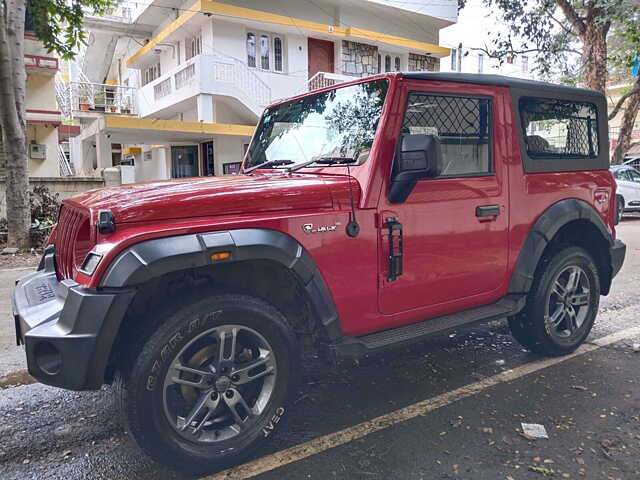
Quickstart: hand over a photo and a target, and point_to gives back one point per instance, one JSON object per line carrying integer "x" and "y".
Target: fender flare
{"x": 541, "y": 234}
{"x": 149, "y": 259}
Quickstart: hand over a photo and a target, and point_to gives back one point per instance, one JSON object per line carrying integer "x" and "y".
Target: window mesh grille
{"x": 447, "y": 116}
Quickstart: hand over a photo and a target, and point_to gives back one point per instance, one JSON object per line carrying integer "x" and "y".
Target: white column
{"x": 103, "y": 151}
{"x": 205, "y": 109}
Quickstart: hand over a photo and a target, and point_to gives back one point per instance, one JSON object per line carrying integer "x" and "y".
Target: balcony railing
{"x": 48, "y": 65}
{"x": 327, "y": 79}
{"x": 210, "y": 74}
{"x": 99, "y": 97}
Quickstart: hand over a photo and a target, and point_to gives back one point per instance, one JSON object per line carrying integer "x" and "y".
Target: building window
{"x": 454, "y": 60}
{"x": 387, "y": 63}
{"x": 396, "y": 62}
{"x": 463, "y": 126}
{"x": 193, "y": 47}
{"x": 149, "y": 74}
{"x": 264, "y": 52}
{"x": 379, "y": 63}
{"x": 251, "y": 49}
{"x": 525, "y": 64}
{"x": 277, "y": 54}
{"x": 480, "y": 63}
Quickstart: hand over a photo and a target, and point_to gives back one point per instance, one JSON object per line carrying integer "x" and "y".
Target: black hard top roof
{"x": 502, "y": 81}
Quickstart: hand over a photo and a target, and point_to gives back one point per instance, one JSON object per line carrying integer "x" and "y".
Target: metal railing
{"x": 63, "y": 98}
{"x": 185, "y": 76}
{"x": 66, "y": 169}
{"x": 233, "y": 71}
{"x": 85, "y": 96}
{"x": 326, "y": 79}
{"x": 162, "y": 89}
{"x": 214, "y": 74}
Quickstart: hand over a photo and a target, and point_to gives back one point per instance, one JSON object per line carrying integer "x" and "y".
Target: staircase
{"x": 66, "y": 169}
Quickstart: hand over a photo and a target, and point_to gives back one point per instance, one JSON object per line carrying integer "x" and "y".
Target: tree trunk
{"x": 626, "y": 128}
{"x": 12, "y": 95}
{"x": 594, "y": 55}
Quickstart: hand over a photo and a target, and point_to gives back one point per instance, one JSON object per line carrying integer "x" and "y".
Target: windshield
{"x": 336, "y": 124}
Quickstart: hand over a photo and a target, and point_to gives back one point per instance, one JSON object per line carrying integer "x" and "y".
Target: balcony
{"x": 205, "y": 74}
{"x": 41, "y": 65}
{"x": 98, "y": 97}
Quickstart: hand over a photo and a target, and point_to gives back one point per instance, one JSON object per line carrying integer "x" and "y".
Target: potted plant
{"x": 99, "y": 101}
{"x": 83, "y": 98}
{"x": 126, "y": 105}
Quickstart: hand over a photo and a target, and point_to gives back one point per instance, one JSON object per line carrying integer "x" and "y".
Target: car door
{"x": 626, "y": 187}
{"x": 454, "y": 227}
{"x": 634, "y": 188}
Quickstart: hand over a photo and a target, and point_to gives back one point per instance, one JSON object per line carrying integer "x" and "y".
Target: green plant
{"x": 44, "y": 213}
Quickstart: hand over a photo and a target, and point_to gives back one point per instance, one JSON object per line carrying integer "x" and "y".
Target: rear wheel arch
{"x": 567, "y": 222}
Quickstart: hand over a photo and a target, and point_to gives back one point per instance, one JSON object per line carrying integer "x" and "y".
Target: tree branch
{"x": 572, "y": 16}
{"x": 560, "y": 24}
{"x": 522, "y": 52}
{"x": 634, "y": 91}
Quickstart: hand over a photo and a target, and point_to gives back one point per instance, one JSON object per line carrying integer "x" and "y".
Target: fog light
{"x": 90, "y": 263}
{"x": 48, "y": 358}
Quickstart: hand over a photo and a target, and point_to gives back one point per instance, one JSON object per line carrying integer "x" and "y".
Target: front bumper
{"x": 617, "y": 253}
{"x": 67, "y": 330}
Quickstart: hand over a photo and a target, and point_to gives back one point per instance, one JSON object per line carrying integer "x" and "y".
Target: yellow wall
{"x": 48, "y": 135}
{"x": 41, "y": 93}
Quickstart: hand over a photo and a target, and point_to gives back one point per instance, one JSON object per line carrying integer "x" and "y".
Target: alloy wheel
{"x": 219, "y": 384}
{"x": 568, "y": 302}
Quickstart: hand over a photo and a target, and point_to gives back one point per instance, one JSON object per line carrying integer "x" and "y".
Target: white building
{"x": 473, "y": 33}
{"x": 177, "y": 91}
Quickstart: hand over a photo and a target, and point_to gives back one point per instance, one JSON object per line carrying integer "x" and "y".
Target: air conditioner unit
{"x": 38, "y": 151}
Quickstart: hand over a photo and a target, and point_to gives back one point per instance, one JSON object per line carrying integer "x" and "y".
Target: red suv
{"x": 367, "y": 215}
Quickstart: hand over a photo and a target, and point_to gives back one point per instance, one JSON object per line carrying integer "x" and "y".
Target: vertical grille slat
{"x": 70, "y": 221}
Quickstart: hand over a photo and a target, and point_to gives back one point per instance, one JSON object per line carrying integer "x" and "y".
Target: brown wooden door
{"x": 321, "y": 57}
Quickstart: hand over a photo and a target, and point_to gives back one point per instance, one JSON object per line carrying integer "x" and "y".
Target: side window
{"x": 559, "y": 128}
{"x": 634, "y": 176}
{"x": 463, "y": 125}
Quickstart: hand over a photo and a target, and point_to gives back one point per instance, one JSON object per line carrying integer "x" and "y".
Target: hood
{"x": 212, "y": 196}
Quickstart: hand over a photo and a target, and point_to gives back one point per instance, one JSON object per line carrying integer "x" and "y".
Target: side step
{"x": 354, "y": 347}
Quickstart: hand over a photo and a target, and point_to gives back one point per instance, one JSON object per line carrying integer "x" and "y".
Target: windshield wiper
{"x": 322, "y": 161}
{"x": 269, "y": 163}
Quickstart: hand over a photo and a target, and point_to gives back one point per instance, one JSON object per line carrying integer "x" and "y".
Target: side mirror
{"x": 418, "y": 156}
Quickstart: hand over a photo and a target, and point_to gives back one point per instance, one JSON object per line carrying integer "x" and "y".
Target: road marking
{"x": 341, "y": 437}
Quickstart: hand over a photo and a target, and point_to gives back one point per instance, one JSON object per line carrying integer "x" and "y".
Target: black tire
{"x": 147, "y": 410}
{"x": 533, "y": 327}
{"x": 619, "y": 208}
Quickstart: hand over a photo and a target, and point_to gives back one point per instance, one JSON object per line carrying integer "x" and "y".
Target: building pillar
{"x": 103, "y": 151}
{"x": 205, "y": 108}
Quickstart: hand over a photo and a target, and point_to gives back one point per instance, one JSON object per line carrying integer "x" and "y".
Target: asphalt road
{"x": 449, "y": 408}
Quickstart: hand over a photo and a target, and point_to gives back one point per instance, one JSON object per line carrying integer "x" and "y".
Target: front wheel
{"x": 211, "y": 384}
{"x": 562, "y": 304}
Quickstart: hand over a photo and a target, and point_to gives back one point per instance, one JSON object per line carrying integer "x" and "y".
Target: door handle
{"x": 488, "y": 211}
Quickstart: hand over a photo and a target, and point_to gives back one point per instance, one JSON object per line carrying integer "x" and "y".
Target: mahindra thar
{"x": 367, "y": 215}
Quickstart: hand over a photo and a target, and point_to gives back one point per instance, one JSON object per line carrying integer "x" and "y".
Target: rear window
{"x": 555, "y": 128}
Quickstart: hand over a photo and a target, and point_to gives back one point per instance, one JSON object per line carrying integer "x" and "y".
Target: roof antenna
{"x": 353, "y": 228}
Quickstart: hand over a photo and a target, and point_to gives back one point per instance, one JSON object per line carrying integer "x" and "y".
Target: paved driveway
{"x": 451, "y": 407}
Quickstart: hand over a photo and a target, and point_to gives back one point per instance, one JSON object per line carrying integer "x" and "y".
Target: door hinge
{"x": 395, "y": 248}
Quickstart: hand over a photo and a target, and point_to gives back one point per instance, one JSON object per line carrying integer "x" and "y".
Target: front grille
{"x": 70, "y": 221}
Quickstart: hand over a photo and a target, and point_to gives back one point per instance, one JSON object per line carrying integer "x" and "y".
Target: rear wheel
{"x": 562, "y": 304}
{"x": 211, "y": 384}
